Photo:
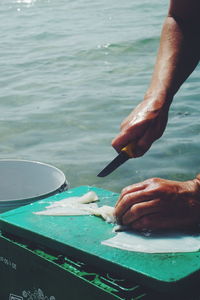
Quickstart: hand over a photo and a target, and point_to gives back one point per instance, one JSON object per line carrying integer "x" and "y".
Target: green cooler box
{"x": 61, "y": 258}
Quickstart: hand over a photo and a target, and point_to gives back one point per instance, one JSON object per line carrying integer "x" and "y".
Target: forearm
{"x": 178, "y": 55}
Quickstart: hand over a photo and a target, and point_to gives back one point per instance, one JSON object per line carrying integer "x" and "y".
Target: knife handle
{"x": 129, "y": 150}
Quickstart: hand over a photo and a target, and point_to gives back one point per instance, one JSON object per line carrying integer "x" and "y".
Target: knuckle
{"x": 126, "y": 189}
{"x": 124, "y": 193}
{"x": 136, "y": 210}
{"x": 147, "y": 222}
{"x": 155, "y": 184}
{"x": 155, "y": 180}
{"x": 143, "y": 145}
{"x": 123, "y": 124}
{"x": 127, "y": 199}
{"x": 158, "y": 135}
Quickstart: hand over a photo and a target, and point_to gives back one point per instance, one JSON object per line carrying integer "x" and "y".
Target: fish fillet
{"x": 155, "y": 243}
{"x": 82, "y": 205}
{"x": 86, "y": 198}
{"x": 69, "y": 210}
{"x": 106, "y": 212}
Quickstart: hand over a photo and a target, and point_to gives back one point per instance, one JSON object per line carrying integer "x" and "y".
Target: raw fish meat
{"x": 155, "y": 243}
{"x": 77, "y": 209}
{"x": 82, "y": 205}
{"x": 106, "y": 212}
{"x": 86, "y": 198}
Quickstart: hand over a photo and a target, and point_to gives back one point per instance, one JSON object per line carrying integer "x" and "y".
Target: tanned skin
{"x": 158, "y": 203}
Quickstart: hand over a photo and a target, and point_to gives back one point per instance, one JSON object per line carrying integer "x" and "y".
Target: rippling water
{"x": 71, "y": 71}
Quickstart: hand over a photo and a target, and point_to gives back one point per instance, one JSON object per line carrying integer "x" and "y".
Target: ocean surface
{"x": 71, "y": 71}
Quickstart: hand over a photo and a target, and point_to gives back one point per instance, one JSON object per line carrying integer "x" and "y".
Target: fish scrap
{"x": 83, "y": 205}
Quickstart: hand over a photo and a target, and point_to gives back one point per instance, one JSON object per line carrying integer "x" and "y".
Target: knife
{"x": 124, "y": 155}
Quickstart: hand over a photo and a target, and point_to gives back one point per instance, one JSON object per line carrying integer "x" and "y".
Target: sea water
{"x": 71, "y": 71}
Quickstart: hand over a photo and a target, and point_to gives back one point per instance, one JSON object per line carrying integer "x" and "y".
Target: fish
{"x": 165, "y": 242}
{"x": 69, "y": 210}
{"x": 89, "y": 197}
{"x": 76, "y": 206}
{"x": 106, "y": 212}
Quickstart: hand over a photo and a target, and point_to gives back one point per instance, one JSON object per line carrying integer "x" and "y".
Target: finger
{"x": 152, "y": 133}
{"x": 140, "y": 210}
{"x": 130, "y": 189}
{"x": 145, "y": 142}
{"x": 130, "y": 135}
{"x": 133, "y": 198}
{"x": 157, "y": 221}
{"x": 150, "y": 222}
{"x": 122, "y": 140}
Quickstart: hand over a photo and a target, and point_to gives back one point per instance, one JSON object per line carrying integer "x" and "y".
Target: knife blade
{"x": 121, "y": 158}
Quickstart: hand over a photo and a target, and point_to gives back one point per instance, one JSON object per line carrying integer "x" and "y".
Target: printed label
{"x": 36, "y": 294}
{"x": 15, "y": 297}
{"x": 6, "y": 261}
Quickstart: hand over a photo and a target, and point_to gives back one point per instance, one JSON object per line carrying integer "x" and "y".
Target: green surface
{"x": 59, "y": 276}
{"x": 81, "y": 236}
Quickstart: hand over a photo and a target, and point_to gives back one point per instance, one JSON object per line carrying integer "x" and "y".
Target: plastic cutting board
{"x": 81, "y": 236}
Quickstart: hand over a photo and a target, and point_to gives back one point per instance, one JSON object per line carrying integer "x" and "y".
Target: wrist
{"x": 161, "y": 97}
{"x": 157, "y": 100}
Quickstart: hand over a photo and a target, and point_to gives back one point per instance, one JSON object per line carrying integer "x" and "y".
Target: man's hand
{"x": 160, "y": 204}
{"x": 142, "y": 127}
{"x": 178, "y": 55}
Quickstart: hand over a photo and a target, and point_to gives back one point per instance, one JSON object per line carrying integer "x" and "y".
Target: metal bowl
{"x": 23, "y": 182}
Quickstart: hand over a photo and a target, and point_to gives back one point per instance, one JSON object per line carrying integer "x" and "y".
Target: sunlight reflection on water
{"x": 26, "y": 1}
